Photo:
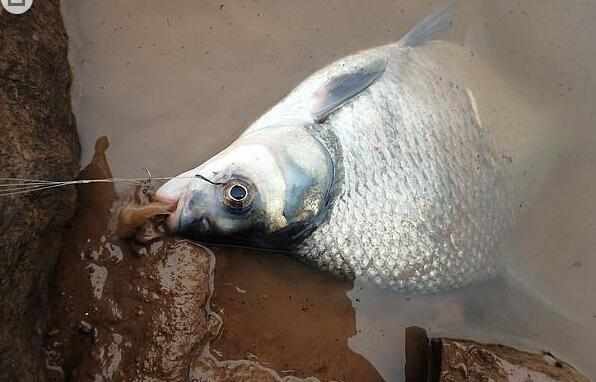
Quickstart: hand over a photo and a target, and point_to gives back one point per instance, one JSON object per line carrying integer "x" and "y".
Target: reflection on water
{"x": 172, "y": 84}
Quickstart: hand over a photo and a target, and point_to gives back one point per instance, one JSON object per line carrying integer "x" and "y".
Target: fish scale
{"x": 443, "y": 212}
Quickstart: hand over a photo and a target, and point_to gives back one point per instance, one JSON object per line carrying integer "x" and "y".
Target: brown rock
{"x": 179, "y": 324}
{"x": 464, "y": 360}
{"x": 39, "y": 141}
{"x": 459, "y": 360}
{"x": 164, "y": 316}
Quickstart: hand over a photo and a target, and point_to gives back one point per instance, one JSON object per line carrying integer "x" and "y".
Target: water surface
{"x": 173, "y": 83}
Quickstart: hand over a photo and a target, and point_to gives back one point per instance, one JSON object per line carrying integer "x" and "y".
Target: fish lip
{"x": 173, "y": 221}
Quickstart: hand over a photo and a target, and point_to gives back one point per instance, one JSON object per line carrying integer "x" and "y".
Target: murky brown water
{"x": 150, "y": 307}
{"x": 171, "y": 84}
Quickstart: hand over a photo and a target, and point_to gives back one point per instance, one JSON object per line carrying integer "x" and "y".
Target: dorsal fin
{"x": 438, "y": 21}
{"x": 320, "y": 95}
{"x": 342, "y": 88}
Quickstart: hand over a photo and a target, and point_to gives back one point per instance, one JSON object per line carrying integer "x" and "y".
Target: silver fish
{"x": 374, "y": 167}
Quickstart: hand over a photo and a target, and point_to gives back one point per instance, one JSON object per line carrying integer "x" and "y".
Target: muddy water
{"x": 171, "y": 84}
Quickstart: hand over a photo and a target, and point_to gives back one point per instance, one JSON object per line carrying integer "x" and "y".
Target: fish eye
{"x": 238, "y": 192}
{"x": 237, "y": 195}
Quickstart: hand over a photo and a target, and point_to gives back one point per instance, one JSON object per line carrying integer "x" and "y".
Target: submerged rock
{"x": 152, "y": 323}
{"x": 143, "y": 318}
{"x": 39, "y": 141}
{"x": 118, "y": 316}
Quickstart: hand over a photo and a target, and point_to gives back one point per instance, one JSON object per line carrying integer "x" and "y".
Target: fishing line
{"x": 17, "y": 186}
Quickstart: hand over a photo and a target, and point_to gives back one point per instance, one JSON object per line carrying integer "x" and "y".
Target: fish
{"x": 375, "y": 167}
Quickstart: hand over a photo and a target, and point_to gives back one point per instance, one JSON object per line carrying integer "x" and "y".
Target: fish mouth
{"x": 173, "y": 219}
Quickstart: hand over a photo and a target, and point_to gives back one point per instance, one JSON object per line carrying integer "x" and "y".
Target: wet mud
{"x": 153, "y": 307}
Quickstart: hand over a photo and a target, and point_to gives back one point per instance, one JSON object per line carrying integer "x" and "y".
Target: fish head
{"x": 267, "y": 189}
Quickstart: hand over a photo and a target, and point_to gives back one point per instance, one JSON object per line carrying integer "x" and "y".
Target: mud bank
{"x": 39, "y": 141}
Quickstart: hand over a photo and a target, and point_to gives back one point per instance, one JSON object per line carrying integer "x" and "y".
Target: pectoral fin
{"x": 339, "y": 90}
